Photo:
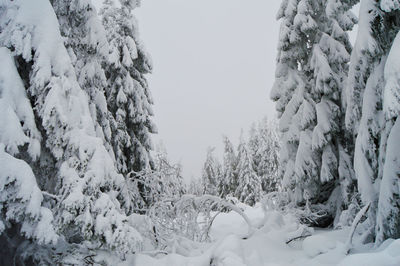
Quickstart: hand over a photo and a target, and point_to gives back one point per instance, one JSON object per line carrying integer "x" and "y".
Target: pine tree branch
{"x": 56, "y": 197}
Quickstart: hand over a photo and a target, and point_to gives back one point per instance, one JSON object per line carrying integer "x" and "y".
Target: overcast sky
{"x": 214, "y": 63}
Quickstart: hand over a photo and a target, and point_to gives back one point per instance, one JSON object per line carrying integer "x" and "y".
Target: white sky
{"x": 214, "y": 64}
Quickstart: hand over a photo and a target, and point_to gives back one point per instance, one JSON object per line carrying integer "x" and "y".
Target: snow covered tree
{"x": 388, "y": 224}
{"x": 211, "y": 173}
{"x": 268, "y": 154}
{"x": 311, "y": 70}
{"x": 329, "y": 62}
{"x": 22, "y": 207}
{"x": 254, "y": 145}
{"x": 262, "y": 150}
{"x": 264, "y": 146}
{"x": 195, "y": 187}
{"x": 228, "y": 182}
{"x": 169, "y": 175}
{"x": 249, "y": 188}
{"x": 53, "y": 97}
{"x": 362, "y": 121}
{"x": 371, "y": 114}
{"x": 128, "y": 98}
{"x": 289, "y": 91}
{"x": 163, "y": 181}
{"x": 87, "y": 46}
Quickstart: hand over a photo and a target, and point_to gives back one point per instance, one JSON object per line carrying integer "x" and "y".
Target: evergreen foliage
{"x": 313, "y": 55}
{"x": 371, "y": 115}
{"x": 211, "y": 174}
{"x": 229, "y": 182}
{"x": 68, "y": 141}
{"x": 248, "y": 173}
{"x": 249, "y": 188}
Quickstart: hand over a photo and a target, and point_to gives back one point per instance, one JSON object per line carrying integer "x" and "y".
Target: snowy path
{"x": 267, "y": 246}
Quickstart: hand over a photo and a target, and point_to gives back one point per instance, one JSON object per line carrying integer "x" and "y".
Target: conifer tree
{"x": 312, "y": 64}
{"x": 211, "y": 173}
{"x": 288, "y": 91}
{"x": 128, "y": 96}
{"x": 249, "y": 188}
{"x": 57, "y": 107}
{"x": 254, "y": 145}
{"x": 268, "y": 152}
{"x": 371, "y": 114}
{"x": 329, "y": 63}
{"x": 128, "y": 99}
{"x": 388, "y": 224}
{"x": 87, "y": 46}
{"x": 228, "y": 183}
{"x": 363, "y": 121}
{"x": 21, "y": 199}
{"x": 264, "y": 148}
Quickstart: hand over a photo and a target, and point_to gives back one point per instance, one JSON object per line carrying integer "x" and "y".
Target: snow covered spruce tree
{"x": 289, "y": 92}
{"x": 211, "y": 174}
{"x": 87, "y": 46}
{"x": 249, "y": 188}
{"x": 311, "y": 70}
{"x": 329, "y": 63}
{"x": 57, "y": 155}
{"x": 267, "y": 154}
{"x": 228, "y": 183}
{"x": 128, "y": 97}
{"x": 254, "y": 145}
{"x": 372, "y": 111}
{"x": 252, "y": 171}
{"x": 23, "y": 212}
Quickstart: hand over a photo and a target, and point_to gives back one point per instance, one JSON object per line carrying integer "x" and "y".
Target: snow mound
{"x": 229, "y": 252}
{"x": 388, "y": 255}
{"x": 267, "y": 246}
{"x": 319, "y": 244}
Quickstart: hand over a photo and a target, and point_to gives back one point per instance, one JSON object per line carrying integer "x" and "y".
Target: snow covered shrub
{"x": 188, "y": 217}
{"x": 310, "y": 215}
{"x": 163, "y": 181}
{"x": 275, "y": 201}
{"x": 347, "y": 216}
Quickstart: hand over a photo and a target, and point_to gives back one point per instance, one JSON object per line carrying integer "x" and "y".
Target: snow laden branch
{"x": 189, "y": 217}
{"x": 218, "y": 202}
{"x": 356, "y": 221}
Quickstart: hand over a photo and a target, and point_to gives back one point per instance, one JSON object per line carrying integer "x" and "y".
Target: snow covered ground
{"x": 267, "y": 246}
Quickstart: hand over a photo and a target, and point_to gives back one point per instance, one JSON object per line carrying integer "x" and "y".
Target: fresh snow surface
{"x": 267, "y": 246}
